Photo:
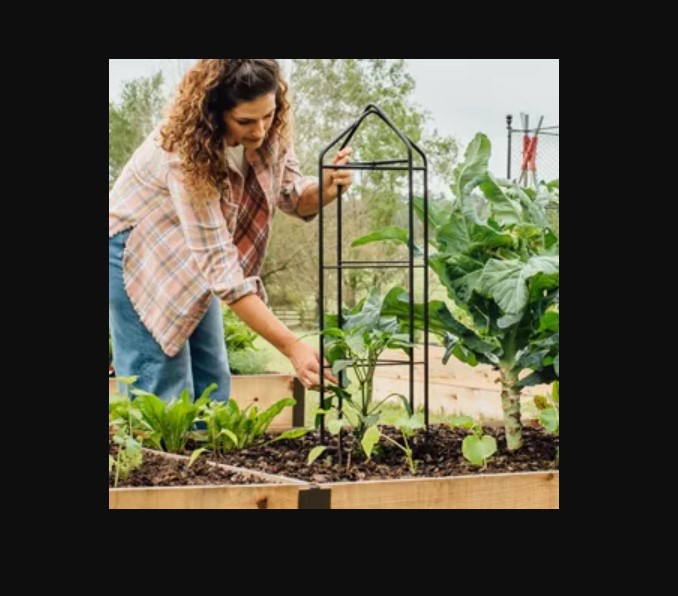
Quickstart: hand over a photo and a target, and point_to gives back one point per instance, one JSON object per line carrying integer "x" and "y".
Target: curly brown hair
{"x": 195, "y": 127}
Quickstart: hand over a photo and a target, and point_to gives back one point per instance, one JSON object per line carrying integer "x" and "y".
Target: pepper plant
{"x": 357, "y": 346}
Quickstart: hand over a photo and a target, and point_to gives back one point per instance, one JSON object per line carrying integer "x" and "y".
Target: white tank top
{"x": 236, "y": 156}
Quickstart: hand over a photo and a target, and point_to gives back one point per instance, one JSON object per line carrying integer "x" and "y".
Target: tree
{"x": 327, "y": 95}
{"x": 132, "y": 119}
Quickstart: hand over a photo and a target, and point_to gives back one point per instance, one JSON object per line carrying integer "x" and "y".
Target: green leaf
{"x": 506, "y": 280}
{"x": 438, "y": 213}
{"x": 369, "y": 314}
{"x": 334, "y": 426}
{"x": 117, "y": 398}
{"x": 126, "y": 380}
{"x": 550, "y": 419}
{"x": 555, "y": 391}
{"x": 441, "y": 321}
{"x": 556, "y": 364}
{"x": 478, "y": 449}
{"x": 333, "y": 331}
{"x": 389, "y": 233}
{"x": 410, "y": 424}
{"x": 370, "y": 439}
{"x": 508, "y": 320}
{"x": 549, "y": 321}
{"x": 461, "y": 421}
{"x": 542, "y": 377}
{"x": 294, "y": 433}
{"x": 195, "y": 455}
{"x": 356, "y": 344}
{"x": 505, "y": 210}
{"x": 315, "y": 453}
{"x": 473, "y": 168}
{"x": 231, "y": 435}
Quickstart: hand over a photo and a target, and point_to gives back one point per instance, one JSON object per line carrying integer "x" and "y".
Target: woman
{"x": 189, "y": 221}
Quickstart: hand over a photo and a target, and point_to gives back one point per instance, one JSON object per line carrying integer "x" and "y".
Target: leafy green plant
{"x": 476, "y": 447}
{"x": 170, "y": 422}
{"x": 498, "y": 258}
{"x": 407, "y": 427}
{"x": 229, "y": 427}
{"x": 549, "y": 409}
{"x": 243, "y": 357}
{"x": 237, "y": 335}
{"x": 357, "y": 345}
{"x": 128, "y": 457}
{"x": 126, "y": 426}
{"x": 369, "y": 439}
{"x": 549, "y": 412}
{"x": 248, "y": 362}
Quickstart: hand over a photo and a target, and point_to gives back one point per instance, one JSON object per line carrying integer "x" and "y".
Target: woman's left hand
{"x": 335, "y": 178}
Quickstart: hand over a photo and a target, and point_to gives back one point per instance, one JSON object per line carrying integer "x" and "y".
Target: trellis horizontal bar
{"x": 377, "y": 262}
{"x": 384, "y": 363}
{"x": 368, "y": 266}
{"x": 373, "y": 168}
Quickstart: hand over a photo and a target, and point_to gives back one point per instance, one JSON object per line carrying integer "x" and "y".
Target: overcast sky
{"x": 463, "y": 96}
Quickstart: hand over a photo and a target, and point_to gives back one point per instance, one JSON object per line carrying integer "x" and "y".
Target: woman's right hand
{"x": 306, "y": 362}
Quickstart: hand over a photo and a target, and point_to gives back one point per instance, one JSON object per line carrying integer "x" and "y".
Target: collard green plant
{"x": 498, "y": 259}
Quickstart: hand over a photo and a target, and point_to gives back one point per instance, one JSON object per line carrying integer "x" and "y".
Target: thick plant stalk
{"x": 510, "y": 403}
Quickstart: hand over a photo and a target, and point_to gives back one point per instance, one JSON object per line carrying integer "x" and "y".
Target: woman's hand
{"x": 332, "y": 179}
{"x": 306, "y": 362}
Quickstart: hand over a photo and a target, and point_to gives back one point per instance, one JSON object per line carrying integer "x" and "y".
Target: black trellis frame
{"x": 387, "y": 164}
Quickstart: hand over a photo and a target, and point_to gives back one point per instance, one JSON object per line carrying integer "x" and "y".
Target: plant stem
{"x": 510, "y": 394}
{"x": 510, "y": 403}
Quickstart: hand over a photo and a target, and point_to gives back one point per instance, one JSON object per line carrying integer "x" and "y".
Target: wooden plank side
{"x": 236, "y": 496}
{"x": 454, "y": 388}
{"x": 252, "y": 496}
{"x": 452, "y": 399}
{"x": 530, "y": 490}
{"x": 455, "y": 372}
{"x": 263, "y": 391}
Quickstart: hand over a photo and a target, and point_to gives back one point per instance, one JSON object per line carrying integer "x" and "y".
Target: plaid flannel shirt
{"x": 178, "y": 255}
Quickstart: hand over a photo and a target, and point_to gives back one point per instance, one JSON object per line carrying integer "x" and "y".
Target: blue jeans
{"x": 201, "y": 362}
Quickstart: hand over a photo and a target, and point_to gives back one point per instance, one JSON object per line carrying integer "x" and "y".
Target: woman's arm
{"x": 305, "y": 359}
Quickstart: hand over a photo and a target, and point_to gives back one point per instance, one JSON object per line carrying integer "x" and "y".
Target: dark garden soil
{"x": 439, "y": 456}
{"x": 157, "y": 470}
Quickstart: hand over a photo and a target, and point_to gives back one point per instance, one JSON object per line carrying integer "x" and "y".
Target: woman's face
{"x": 247, "y": 123}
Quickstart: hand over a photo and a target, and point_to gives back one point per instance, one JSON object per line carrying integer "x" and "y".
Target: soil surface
{"x": 440, "y": 455}
{"x": 157, "y": 470}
